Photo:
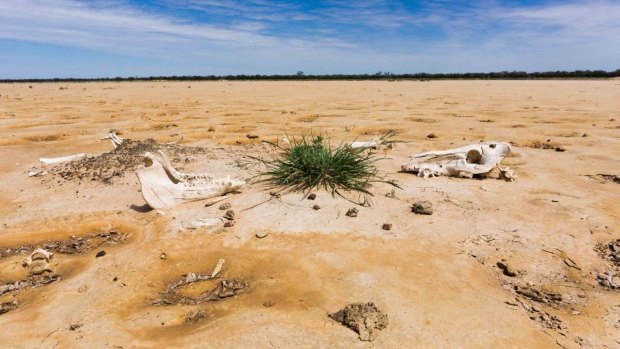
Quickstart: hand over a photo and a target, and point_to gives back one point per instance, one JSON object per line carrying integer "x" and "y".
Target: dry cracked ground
{"x": 533, "y": 263}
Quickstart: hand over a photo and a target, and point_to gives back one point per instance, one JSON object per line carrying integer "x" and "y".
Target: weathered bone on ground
{"x": 49, "y": 161}
{"x": 467, "y": 161}
{"x": 116, "y": 140}
{"x": 371, "y": 144}
{"x": 38, "y": 262}
{"x": 163, "y": 186}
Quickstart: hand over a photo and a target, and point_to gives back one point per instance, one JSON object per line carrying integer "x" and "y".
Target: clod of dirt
{"x": 352, "y": 212}
{"x": 609, "y": 280}
{"x": 100, "y": 254}
{"x": 73, "y": 245}
{"x": 194, "y": 317}
{"x": 312, "y": 196}
{"x": 7, "y": 306}
{"x": 115, "y": 163}
{"x": 609, "y": 251}
{"x": 422, "y": 207}
{"x": 606, "y": 178}
{"x": 316, "y": 207}
{"x": 223, "y": 289}
{"x": 225, "y": 206}
{"x": 365, "y": 319}
{"x": 74, "y": 327}
{"x": 506, "y": 269}
{"x": 230, "y": 215}
{"x": 538, "y": 296}
{"x": 386, "y": 226}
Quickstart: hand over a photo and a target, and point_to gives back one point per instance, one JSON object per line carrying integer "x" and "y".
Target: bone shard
{"x": 49, "y": 161}
{"x": 371, "y": 144}
{"x": 116, "y": 140}
{"x": 163, "y": 186}
{"x": 465, "y": 162}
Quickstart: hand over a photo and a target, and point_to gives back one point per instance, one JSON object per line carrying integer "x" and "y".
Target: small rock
{"x": 251, "y": 136}
{"x": 100, "y": 254}
{"x": 560, "y": 149}
{"x": 312, "y": 196}
{"x": 229, "y": 224}
{"x": 352, "y": 212}
{"x": 261, "y": 234}
{"x": 225, "y": 206}
{"x": 163, "y": 256}
{"x": 316, "y": 207}
{"x": 422, "y": 207}
{"x": 387, "y": 226}
{"x": 431, "y": 135}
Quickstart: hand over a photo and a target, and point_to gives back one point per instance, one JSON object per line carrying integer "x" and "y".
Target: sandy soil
{"x": 436, "y": 277}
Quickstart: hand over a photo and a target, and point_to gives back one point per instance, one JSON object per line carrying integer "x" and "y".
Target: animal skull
{"x": 163, "y": 186}
{"x": 464, "y": 162}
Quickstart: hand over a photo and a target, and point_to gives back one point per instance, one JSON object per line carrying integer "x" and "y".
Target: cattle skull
{"x": 467, "y": 161}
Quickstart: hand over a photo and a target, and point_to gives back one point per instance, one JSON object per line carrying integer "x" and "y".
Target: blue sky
{"x": 71, "y": 38}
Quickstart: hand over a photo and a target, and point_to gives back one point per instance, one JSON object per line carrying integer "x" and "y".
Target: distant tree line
{"x": 504, "y": 75}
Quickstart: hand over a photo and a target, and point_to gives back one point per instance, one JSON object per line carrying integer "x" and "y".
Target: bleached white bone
{"x": 49, "y": 161}
{"x": 465, "y": 161}
{"x": 116, "y": 140}
{"x": 371, "y": 144}
{"x": 163, "y": 186}
{"x": 38, "y": 261}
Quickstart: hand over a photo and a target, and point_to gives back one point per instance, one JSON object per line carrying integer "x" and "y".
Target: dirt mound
{"x": 125, "y": 158}
{"x": 365, "y": 319}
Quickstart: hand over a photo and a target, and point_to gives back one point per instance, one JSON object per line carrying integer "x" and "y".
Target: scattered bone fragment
{"x": 38, "y": 262}
{"x": 163, "y": 186}
{"x": 68, "y": 158}
{"x": 365, "y": 319}
{"x": 370, "y": 144}
{"x": 218, "y": 267}
{"x": 204, "y": 223}
{"x": 116, "y": 140}
{"x": 422, "y": 207}
{"x": 465, "y": 162}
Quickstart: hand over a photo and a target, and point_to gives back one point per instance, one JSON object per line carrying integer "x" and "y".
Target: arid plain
{"x": 435, "y": 276}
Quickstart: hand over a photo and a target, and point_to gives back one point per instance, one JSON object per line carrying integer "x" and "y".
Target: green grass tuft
{"x": 311, "y": 163}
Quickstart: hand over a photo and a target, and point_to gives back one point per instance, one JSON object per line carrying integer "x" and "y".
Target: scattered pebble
{"x": 229, "y": 224}
{"x": 251, "y": 136}
{"x": 431, "y": 135}
{"x": 316, "y": 207}
{"x": 387, "y": 226}
{"x": 100, "y": 254}
{"x": 422, "y": 207}
{"x": 163, "y": 256}
{"x": 230, "y": 215}
{"x": 508, "y": 271}
{"x": 312, "y": 196}
{"x": 261, "y": 234}
{"x": 225, "y": 206}
{"x": 74, "y": 327}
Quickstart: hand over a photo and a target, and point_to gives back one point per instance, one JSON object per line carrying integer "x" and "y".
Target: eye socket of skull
{"x": 473, "y": 157}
